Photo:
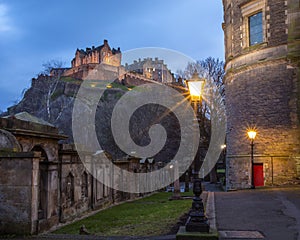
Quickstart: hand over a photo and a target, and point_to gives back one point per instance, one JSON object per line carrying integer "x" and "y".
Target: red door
{"x": 258, "y": 174}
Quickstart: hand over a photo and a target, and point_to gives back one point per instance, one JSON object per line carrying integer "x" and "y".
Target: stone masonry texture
{"x": 262, "y": 91}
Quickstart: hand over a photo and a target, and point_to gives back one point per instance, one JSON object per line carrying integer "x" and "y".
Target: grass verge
{"x": 150, "y": 216}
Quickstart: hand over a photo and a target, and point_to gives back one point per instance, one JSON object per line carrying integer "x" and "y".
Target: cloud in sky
{"x": 5, "y": 21}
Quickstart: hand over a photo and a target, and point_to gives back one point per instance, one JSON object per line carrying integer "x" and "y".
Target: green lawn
{"x": 150, "y": 216}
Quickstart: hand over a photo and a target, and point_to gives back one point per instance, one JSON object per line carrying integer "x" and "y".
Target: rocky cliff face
{"x": 52, "y": 99}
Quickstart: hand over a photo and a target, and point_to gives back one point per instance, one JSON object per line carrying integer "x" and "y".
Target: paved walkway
{"x": 262, "y": 213}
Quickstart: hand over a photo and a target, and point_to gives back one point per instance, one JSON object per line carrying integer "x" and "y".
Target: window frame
{"x": 249, "y": 29}
{"x": 247, "y": 10}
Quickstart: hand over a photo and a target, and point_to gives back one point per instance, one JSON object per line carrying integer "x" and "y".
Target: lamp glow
{"x": 195, "y": 86}
{"x": 223, "y": 146}
{"x": 251, "y": 134}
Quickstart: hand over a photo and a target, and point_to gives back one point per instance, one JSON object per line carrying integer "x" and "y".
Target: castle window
{"x": 255, "y": 29}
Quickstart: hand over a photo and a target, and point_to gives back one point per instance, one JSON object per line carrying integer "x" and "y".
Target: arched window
{"x": 84, "y": 185}
{"x": 40, "y": 149}
{"x": 70, "y": 188}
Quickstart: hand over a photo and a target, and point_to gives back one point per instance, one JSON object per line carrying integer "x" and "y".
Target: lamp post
{"x": 223, "y": 147}
{"x": 251, "y": 135}
{"x": 197, "y": 221}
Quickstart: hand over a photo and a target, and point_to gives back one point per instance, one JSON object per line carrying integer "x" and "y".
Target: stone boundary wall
{"x": 18, "y": 192}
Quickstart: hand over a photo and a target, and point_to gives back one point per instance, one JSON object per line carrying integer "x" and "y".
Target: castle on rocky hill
{"x": 86, "y": 60}
{"x": 110, "y": 59}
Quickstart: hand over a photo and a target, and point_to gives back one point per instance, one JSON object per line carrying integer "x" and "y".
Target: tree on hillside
{"x": 47, "y": 67}
{"x": 50, "y": 64}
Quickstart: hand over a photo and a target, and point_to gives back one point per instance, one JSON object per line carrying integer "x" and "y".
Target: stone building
{"x": 43, "y": 182}
{"x": 262, "y": 82}
{"x": 29, "y": 175}
{"x": 155, "y": 69}
{"x": 101, "y": 54}
{"x": 86, "y": 60}
{"x": 103, "y": 60}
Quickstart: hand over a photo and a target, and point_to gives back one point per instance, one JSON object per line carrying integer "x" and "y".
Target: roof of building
{"x": 8, "y": 142}
{"x": 90, "y": 50}
{"x": 25, "y": 116}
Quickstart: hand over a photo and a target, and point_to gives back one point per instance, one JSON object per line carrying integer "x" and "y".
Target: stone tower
{"x": 97, "y": 55}
{"x": 262, "y": 82}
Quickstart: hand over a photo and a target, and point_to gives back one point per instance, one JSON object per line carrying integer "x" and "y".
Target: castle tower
{"x": 87, "y": 60}
{"x": 262, "y": 82}
{"x": 97, "y": 55}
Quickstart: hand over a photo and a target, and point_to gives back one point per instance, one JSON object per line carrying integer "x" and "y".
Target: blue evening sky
{"x": 35, "y": 31}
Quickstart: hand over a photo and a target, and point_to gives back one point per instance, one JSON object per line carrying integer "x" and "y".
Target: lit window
{"x": 255, "y": 29}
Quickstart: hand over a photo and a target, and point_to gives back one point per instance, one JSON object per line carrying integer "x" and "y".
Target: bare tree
{"x": 213, "y": 70}
{"x": 47, "y": 67}
{"x": 50, "y": 64}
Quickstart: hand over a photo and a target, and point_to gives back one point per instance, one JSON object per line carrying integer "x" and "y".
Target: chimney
{"x": 105, "y": 41}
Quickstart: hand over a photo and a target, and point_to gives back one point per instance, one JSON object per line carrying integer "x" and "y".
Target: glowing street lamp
{"x": 195, "y": 86}
{"x": 252, "y": 134}
{"x": 197, "y": 221}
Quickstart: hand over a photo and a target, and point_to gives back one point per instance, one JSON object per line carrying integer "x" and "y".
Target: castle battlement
{"x": 155, "y": 69}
